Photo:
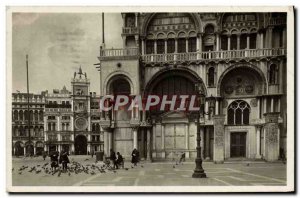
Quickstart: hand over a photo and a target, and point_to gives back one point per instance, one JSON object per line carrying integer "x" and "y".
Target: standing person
{"x": 112, "y": 156}
{"x": 54, "y": 160}
{"x": 119, "y": 161}
{"x": 44, "y": 155}
{"x": 65, "y": 160}
{"x": 92, "y": 153}
{"x": 135, "y": 156}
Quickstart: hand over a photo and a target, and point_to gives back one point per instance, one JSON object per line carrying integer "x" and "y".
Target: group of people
{"x": 118, "y": 159}
{"x": 59, "y": 158}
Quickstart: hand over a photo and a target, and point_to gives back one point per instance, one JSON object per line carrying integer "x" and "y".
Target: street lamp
{"x": 199, "y": 171}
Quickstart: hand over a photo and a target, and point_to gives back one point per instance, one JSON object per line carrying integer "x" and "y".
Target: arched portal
{"x": 241, "y": 81}
{"x": 19, "y": 148}
{"x": 173, "y": 127}
{"x": 80, "y": 145}
{"x": 120, "y": 86}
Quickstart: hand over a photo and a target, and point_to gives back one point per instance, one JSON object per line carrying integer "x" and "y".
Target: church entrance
{"x": 80, "y": 145}
{"x": 238, "y": 144}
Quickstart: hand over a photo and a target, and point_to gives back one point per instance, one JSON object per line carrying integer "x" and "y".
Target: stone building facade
{"x": 20, "y": 133}
{"x": 238, "y": 59}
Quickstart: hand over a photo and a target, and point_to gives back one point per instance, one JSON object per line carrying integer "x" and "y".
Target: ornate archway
{"x": 80, "y": 145}
{"x": 237, "y": 77}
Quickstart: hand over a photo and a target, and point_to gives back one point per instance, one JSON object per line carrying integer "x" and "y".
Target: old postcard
{"x": 150, "y": 99}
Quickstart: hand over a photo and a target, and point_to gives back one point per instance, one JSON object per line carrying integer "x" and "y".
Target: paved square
{"x": 154, "y": 174}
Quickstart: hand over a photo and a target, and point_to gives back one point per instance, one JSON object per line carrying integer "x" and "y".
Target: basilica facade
{"x": 234, "y": 62}
{"x": 238, "y": 60}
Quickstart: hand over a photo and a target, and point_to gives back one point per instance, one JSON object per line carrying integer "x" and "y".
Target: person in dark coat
{"x": 112, "y": 156}
{"x": 64, "y": 160}
{"x": 44, "y": 155}
{"x": 119, "y": 161}
{"x": 54, "y": 160}
{"x": 92, "y": 153}
{"x": 135, "y": 156}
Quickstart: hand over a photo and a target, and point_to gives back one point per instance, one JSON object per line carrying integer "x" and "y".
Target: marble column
{"x": 206, "y": 110}
{"x": 217, "y": 107}
{"x": 143, "y": 47}
{"x": 135, "y": 138}
{"x": 217, "y": 42}
{"x": 24, "y": 150}
{"x": 219, "y": 138}
{"x": 228, "y": 44}
{"x": 187, "y": 134}
{"x": 248, "y": 41}
{"x": 187, "y": 45}
{"x": 154, "y": 141}
{"x": 258, "y": 108}
{"x": 163, "y": 153}
{"x": 34, "y": 150}
{"x": 155, "y": 47}
{"x": 176, "y": 45}
{"x": 265, "y": 105}
{"x": 258, "y": 155}
{"x": 142, "y": 149}
{"x": 271, "y": 139}
{"x": 149, "y": 157}
{"x": 202, "y": 142}
{"x": 207, "y": 142}
{"x": 272, "y": 104}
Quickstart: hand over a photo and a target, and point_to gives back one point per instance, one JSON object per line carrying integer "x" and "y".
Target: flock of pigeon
{"x": 73, "y": 168}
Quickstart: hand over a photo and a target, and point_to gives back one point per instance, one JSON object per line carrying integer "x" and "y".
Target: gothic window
{"x": 224, "y": 42}
{"x": 160, "y": 46}
{"x": 181, "y": 45}
{"x": 49, "y": 126}
{"x": 20, "y": 115}
{"x": 238, "y": 113}
{"x": 192, "y": 44}
{"x": 243, "y": 41}
{"x": 252, "y": 41}
{"x": 93, "y": 127}
{"x": 149, "y": 47}
{"x": 233, "y": 42}
{"x": 171, "y": 45}
{"x": 211, "y": 76}
{"x": 15, "y": 115}
{"x": 273, "y": 74}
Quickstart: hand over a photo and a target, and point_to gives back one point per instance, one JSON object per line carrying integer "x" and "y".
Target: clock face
{"x": 81, "y": 124}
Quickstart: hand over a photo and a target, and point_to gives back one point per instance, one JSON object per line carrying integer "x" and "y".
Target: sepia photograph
{"x": 146, "y": 99}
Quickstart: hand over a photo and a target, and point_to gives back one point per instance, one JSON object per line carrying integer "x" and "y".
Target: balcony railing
{"x": 58, "y": 109}
{"x": 277, "y": 21}
{"x": 230, "y": 54}
{"x": 112, "y": 53}
{"x": 130, "y": 30}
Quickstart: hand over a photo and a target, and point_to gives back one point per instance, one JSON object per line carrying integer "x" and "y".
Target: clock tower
{"x": 81, "y": 112}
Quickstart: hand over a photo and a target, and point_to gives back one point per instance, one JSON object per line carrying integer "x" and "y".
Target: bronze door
{"x": 238, "y": 144}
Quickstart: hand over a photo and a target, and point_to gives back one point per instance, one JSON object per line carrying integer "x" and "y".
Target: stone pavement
{"x": 160, "y": 174}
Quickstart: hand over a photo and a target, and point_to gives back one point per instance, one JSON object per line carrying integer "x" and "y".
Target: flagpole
{"x": 28, "y": 113}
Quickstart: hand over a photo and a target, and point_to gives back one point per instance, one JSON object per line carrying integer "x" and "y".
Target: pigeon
{"x": 126, "y": 168}
{"x": 69, "y": 174}
{"x": 142, "y": 166}
{"x": 248, "y": 164}
{"x": 131, "y": 166}
{"x": 20, "y": 173}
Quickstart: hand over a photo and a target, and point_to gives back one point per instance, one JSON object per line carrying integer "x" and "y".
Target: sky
{"x": 57, "y": 44}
